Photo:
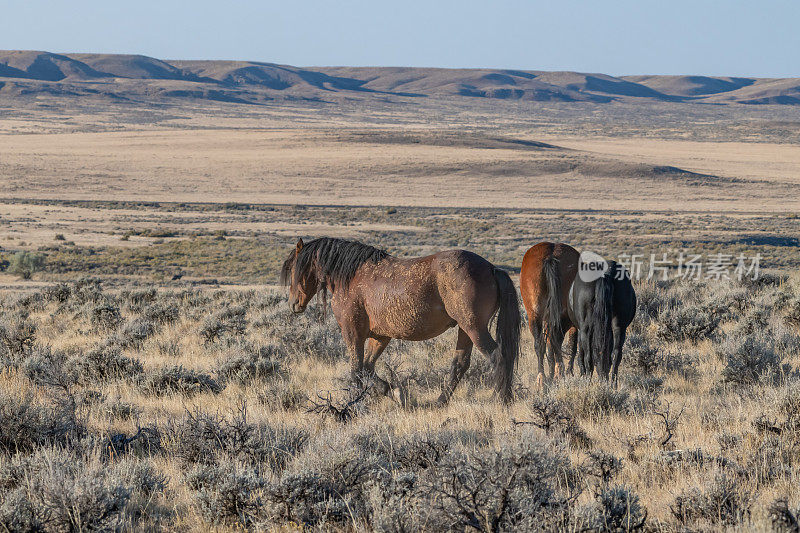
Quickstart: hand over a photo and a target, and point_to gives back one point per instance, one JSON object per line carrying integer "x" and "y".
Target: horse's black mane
{"x": 334, "y": 260}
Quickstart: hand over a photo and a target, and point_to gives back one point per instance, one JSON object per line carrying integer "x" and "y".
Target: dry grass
{"x": 664, "y": 435}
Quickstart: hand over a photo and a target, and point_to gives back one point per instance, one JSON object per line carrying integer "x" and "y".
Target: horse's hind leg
{"x": 554, "y": 357}
{"x": 558, "y": 356}
{"x": 619, "y": 341}
{"x": 585, "y": 350}
{"x": 458, "y": 367}
{"x": 539, "y": 346}
{"x": 572, "y": 342}
{"x": 484, "y": 342}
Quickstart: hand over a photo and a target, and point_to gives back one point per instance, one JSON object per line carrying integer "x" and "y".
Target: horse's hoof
{"x": 558, "y": 371}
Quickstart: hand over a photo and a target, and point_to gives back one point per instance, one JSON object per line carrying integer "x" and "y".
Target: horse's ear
{"x": 299, "y": 246}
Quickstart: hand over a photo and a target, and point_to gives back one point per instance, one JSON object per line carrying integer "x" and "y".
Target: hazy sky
{"x": 758, "y": 38}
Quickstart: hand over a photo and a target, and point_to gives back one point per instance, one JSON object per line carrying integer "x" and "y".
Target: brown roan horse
{"x": 548, "y": 270}
{"x": 376, "y": 297}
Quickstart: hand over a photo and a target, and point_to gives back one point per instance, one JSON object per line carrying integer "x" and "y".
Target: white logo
{"x": 591, "y": 267}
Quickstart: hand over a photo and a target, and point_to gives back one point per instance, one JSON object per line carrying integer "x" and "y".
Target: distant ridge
{"x": 28, "y": 73}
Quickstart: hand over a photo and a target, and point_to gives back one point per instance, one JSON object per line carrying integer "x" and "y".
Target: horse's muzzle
{"x": 297, "y": 308}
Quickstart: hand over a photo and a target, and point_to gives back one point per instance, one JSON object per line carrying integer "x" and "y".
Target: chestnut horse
{"x": 547, "y": 273}
{"x": 376, "y": 297}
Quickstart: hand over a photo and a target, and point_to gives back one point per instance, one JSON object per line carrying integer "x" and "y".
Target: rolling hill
{"x": 136, "y": 77}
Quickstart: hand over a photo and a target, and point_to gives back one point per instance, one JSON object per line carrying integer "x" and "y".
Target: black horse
{"x": 602, "y": 310}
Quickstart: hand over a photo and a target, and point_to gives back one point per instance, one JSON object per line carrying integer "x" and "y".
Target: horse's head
{"x": 302, "y": 282}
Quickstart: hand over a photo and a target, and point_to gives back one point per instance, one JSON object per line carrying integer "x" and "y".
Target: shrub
{"x": 749, "y": 359}
{"x": 280, "y": 394}
{"x": 553, "y": 416}
{"x": 641, "y": 355}
{"x": 782, "y": 518}
{"x": 87, "y": 290}
{"x": 516, "y": 488}
{"x": 268, "y": 300}
{"x": 226, "y": 495}
{"x": 303, "y": 335}
{"x": 246, "y": 365}
{"x": 62, "y": 491}
{"x": 756, "y": 321}
{"x": 25, "y": 425}
{"x": 177, "y": 379}
{"x": 312, "y": 499}
{"x": 120, "y": 410}
{"x": 650, "y": 300}
{"x": 201, "y": 437}
{"x": 170, "y": 348}
{"x": 231, "y": 320}
{"x": 394, "y": 507}
{"x": 212, "y": 329}
{"x": 105, "y": 317}
{"x": 161, "y": 314}
{"x": 729, "y": 301}
{"x": 48, "y": 368}
{"x": 792, "y": 315}
{"x": 602, "y": 466}
{"x": 616, "y": 509}
{"x": 650, "y": 385}
{"x": 688, "y": 323}
{"x": 135, "y": 332}
{"x": 58, "y": 293}
{"x": 26, "y": 264}
{"x": 16, "y": 339}
{"x": 32, "y": 301}
{"x": 139, "y": 297}
{"x": 141, "y": 476}
{"x": 105, "y": 363}
{"x": 722, "y": 501}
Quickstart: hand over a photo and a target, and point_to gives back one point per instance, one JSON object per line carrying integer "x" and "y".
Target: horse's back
{"x": 531, "y": 277}
{"x": 402, "y": 299}
{"x": 582, "y": 294}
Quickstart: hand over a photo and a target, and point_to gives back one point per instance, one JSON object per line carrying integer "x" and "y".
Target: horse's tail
{"x": 507, "y": 330}
{"x": 600, "y": 325}
{"x": 551, "y": 285}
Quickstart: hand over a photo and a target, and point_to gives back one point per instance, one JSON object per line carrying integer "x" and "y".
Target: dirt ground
{"x": 324, "y": 167}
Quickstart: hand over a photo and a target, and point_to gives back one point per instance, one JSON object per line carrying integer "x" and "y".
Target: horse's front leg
{"x": 459, "y": 366}
{"x": 375, "y": 347}
{"x": 374, "y": 350}
{"x": 354, "y": 341}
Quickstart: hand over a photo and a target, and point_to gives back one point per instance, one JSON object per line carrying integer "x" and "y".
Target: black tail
{"x": 600, "y": 327}
{"x": 509, "y": 321}
{"x": 552, "y": 315}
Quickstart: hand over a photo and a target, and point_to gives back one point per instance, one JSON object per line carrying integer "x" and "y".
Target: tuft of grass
{"x": 176, "y": 379}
